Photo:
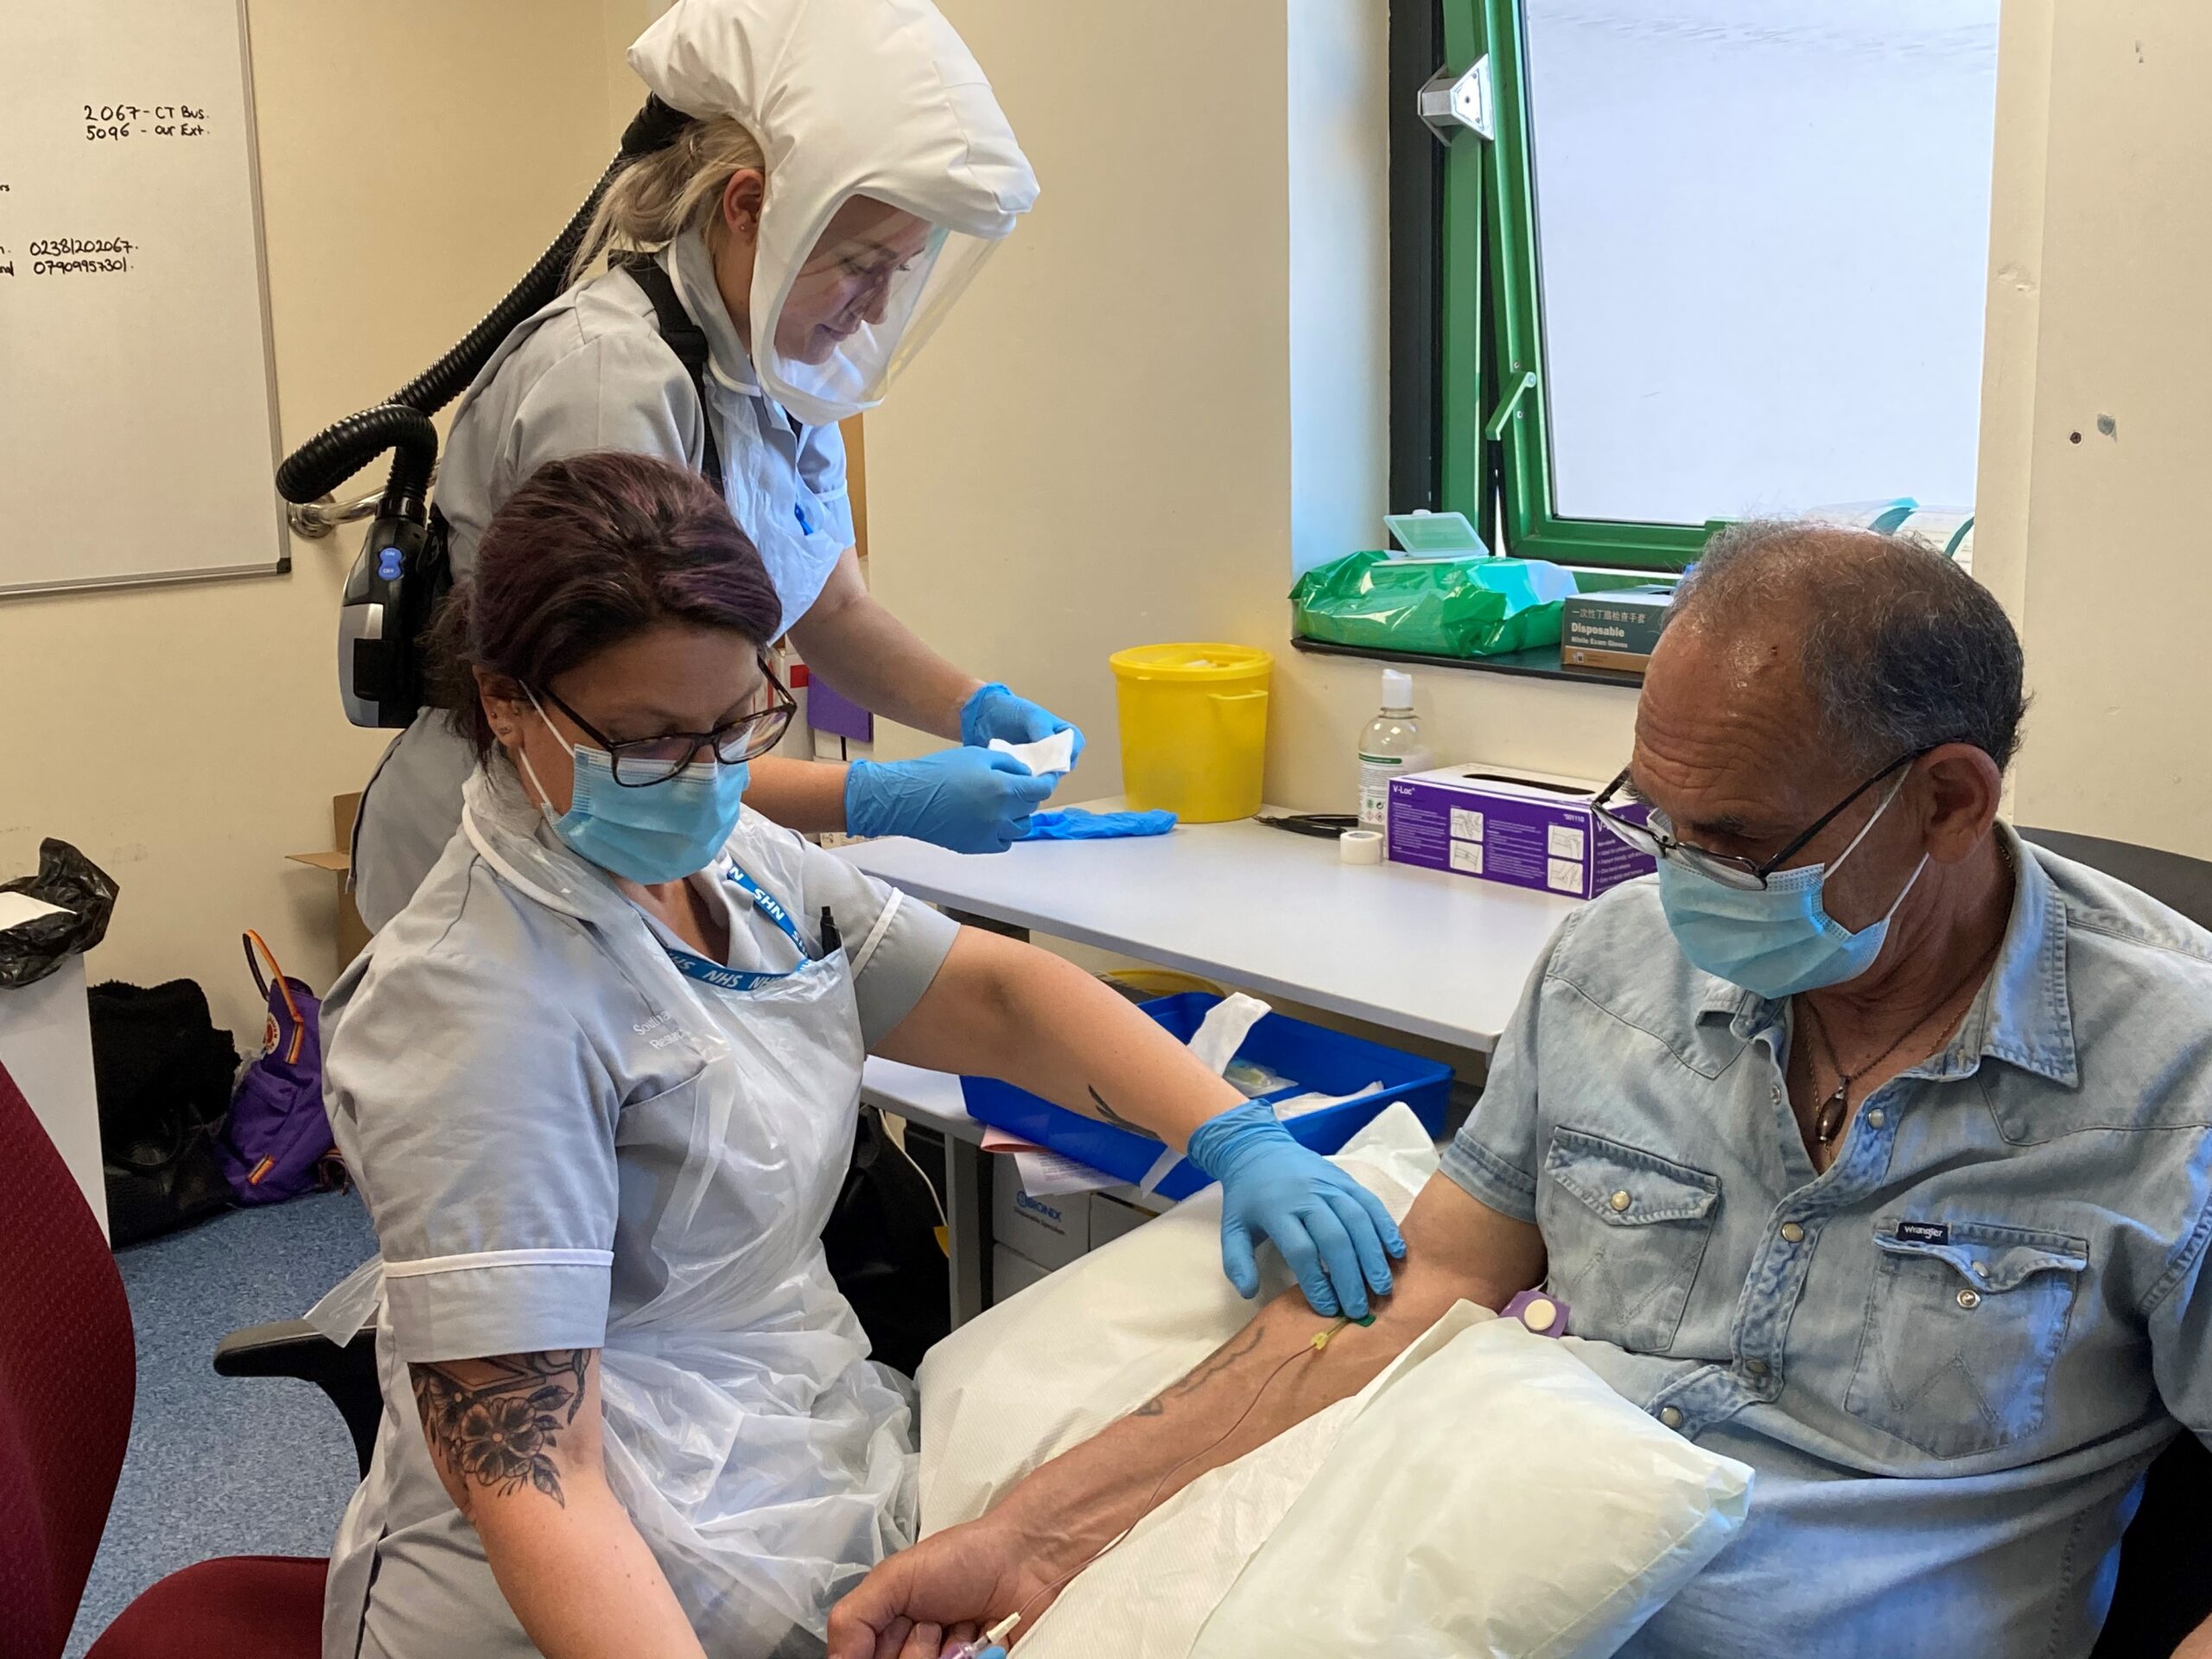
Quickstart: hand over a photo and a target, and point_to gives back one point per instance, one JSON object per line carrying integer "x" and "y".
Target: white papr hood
{"x": 874, "y": 98}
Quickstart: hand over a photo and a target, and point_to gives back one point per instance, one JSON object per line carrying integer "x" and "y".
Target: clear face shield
{"x": 859, "y": 304}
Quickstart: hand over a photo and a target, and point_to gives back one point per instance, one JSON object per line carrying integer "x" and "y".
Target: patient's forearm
{"x": 1457, "y": 1250}
{"x": 1075, "y": 1505}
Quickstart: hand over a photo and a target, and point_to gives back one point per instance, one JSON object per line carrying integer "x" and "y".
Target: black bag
{"x": 882, "y": 1245}
{"x": 163, "y": 1073}
{"x": 66, "y": 877}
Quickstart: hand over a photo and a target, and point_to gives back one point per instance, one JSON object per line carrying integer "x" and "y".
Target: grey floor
{"x": 220, "y": 1466}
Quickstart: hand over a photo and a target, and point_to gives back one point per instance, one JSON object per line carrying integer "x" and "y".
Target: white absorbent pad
{"x": 1055, "y": 754}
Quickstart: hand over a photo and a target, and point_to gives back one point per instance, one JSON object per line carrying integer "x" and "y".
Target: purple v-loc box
{"x": 1523, "y": 829}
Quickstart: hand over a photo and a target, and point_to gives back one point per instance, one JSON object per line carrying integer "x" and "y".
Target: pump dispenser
{"x": 1391, "y": 745}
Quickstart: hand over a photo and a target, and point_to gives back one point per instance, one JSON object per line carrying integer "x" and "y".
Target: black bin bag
{"x": 66, "y": 877}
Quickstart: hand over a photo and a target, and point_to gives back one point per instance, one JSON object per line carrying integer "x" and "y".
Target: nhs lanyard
{"x": 695, "y": 966}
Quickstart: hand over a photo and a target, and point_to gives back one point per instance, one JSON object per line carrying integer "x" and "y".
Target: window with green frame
{"x": 1691, "y": 261}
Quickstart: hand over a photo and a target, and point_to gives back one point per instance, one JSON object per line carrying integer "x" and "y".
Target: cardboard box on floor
{"x": 353, "y": 932}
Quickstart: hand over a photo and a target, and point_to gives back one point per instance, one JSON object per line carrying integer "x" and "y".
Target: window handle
{"x": 1523, "y": 384}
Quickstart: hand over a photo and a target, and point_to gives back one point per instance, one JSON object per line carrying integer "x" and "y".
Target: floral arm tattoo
{"x": 493, "y": 1422}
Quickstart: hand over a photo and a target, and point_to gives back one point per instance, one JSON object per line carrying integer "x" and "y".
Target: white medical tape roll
{"x": 1360, "y": 846}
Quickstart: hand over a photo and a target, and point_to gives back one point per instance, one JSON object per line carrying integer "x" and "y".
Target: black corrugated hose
{"x": 343, "y": 447}
{"x": 403, "y": 423}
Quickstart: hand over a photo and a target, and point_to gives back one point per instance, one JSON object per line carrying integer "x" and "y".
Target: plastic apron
{"x": 764, "y": 1460}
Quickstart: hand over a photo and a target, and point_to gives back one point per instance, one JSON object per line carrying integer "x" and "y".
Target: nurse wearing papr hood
{"x": 598, "y": 1083}
{"x": 813, "y": 184}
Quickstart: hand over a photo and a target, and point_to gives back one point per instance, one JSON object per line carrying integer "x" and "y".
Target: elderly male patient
{"x": 1867, "y": 1143}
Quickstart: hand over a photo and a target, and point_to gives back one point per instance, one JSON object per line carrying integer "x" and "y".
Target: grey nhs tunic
{"x": 512, "y": 1073}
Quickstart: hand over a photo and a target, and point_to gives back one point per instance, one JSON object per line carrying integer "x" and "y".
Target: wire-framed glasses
{"x": 1654, "y": 837}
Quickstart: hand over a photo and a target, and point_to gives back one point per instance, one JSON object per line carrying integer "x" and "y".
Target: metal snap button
{"x": 1969, "y": 1298}
{"x": 1792, "y": 1233}
{"x": 1621, "y": 1200}
{"x": 1876, "y": 1118}
{"x": 1671, "y": 1416}
{"x": 1756, "y": 1367}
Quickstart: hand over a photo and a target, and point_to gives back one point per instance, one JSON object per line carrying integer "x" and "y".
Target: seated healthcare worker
{"x": 842, "y": 172}
{"x": 598, "y": 1083}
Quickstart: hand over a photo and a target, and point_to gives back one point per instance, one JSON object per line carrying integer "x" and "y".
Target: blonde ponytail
{"x": 659, "y": 197}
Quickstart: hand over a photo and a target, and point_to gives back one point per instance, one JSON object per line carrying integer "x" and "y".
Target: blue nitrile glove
{"x": 970, "y": 800}
{"x": 1074, "y": 823}
{"x": 1332, "y": 1232}
{"x": 993, "y": 711}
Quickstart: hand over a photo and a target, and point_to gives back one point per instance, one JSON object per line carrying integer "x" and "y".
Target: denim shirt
{"x": 1950, "y": 1357}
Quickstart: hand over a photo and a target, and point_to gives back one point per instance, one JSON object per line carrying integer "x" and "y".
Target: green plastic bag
{"x": 1445, "y": 607}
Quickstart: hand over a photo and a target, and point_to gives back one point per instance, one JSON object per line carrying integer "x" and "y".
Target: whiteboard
{"x": 137, "y": 400}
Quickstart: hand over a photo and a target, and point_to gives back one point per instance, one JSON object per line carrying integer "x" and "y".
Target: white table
{"x": 1442, "y": 957}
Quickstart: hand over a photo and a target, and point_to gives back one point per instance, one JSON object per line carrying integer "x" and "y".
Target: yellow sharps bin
{"x": 1194, "y": 728}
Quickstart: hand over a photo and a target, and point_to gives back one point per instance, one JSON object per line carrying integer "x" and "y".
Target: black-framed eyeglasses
{"x": 641, "y": 762}
{"x": 1654, "y": 837}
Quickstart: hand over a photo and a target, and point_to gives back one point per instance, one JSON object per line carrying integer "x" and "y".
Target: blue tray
{"x": 1317, "y": 1058}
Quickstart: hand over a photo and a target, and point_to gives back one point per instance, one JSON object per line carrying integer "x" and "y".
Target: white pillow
{"x": 1407, "y": 1522}
{"x": 1149, "y": 1597}
{"x": 1498, "y": 1499}
{"x": 1048, "y": 1369}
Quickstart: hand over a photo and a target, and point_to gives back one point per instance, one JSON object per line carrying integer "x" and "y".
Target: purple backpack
{"x": 277, "y": 1135}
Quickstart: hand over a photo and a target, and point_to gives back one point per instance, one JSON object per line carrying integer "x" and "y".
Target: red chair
{"x": 68, "y": 1373}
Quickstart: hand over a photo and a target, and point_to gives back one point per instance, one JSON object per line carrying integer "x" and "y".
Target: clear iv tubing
{"x": 991, "y": 1638}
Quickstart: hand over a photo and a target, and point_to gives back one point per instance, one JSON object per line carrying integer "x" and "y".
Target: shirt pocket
{"x": 1625, "y": 1230}
{"x": 1955, "y": 1354}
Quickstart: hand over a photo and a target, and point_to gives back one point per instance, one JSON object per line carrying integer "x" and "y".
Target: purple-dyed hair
{"x": 588, "y": 552}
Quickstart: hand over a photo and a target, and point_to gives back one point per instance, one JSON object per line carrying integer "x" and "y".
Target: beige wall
{"x": 415, "y": 155}
{"x": 1172, "y": 372}
{"x": 2097, "y": 309}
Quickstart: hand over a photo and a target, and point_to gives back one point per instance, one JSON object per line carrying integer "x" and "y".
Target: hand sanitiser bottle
{"x": 1391, "y": 745}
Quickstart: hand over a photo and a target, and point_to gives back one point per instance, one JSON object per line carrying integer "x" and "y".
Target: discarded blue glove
{"x": 970, "y": 800}
{"x": 1335, "y": 1234}
{"x": 993, "y": 711}
{"x": 1073, "y": 823}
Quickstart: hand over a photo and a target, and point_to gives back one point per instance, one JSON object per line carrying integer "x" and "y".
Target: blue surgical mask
{"x": 662, "y": 832}
{"x": 1777, "y": 940}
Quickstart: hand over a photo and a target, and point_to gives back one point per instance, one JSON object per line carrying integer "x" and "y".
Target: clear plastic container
{"x": 1391, "y": 745}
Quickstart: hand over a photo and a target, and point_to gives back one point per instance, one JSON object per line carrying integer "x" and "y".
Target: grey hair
{"x": 1902, "y": 649}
